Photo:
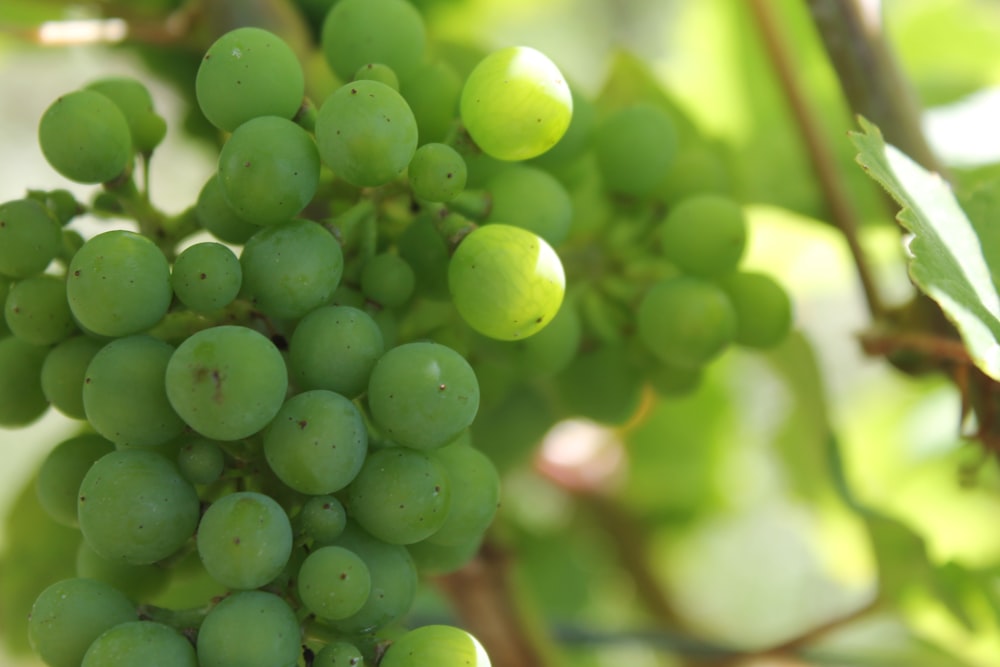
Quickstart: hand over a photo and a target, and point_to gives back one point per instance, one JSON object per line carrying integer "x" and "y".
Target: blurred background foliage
{"x": 808, "y": 506}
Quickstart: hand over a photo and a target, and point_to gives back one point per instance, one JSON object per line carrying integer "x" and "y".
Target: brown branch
{"x": 835, "y": 192}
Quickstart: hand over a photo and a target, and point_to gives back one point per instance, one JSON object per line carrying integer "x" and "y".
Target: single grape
{"x": 601, "y": 384}
{"x": 339, "y": 654}
{"x": 216, "y": 215}
{"x": 704, "y": 235}
{"x": 226, "y": 382}
{"x": 246, "y": 73}
{"x": 244, "y": 540}
{"x": 124, "y": 396}
{"x": 635, "y": 146}
{"x": 533, "y": 199}
{"x": 268, "y": 170}
{"x": 119, "y": 284}
{"x": 322, "y": 519}
{"x": 438, "y": 645}
{"x": 62, "y": 472}
{"x": 366, "y": 132}
{"x": 516, "y": 104}
{"x": 763, "y": 308}
{"x": 140, "y": 643}
{"x": 475, "y": 493}
{"x": 400, "y": 496}
{"x": 378, "y": 72}
{"x": 201, "y": 461}
{"x": 506, "y": 282}
{"x": 206, "y": 276}
{"x": 63, "y": 372}
{"x": 432, "y": 91}
{"x": 131, "y": 96}
{"x": 249, "y": 629}
{"x": 317, "y": 442}
{"x": 291, "y": 268}
{"x": 334, "y": 583}
{"x": 358, "y": 32}
{"x": 70, "y": 614}
{"x": 37, "y": 312}
{"x": 422, "y": 394}
{"x": 22, "y": 400}
{"x": 437, "y": 172}
{"x": 387, "y": 280}
{"x": 335, "y": 348}
{"x": 85, "y": 137}
{"x": 138, "y": 582}
{"x": 686, "y": 321}
{"x": 135, "y": 507}
{"x": 29, "y": 238}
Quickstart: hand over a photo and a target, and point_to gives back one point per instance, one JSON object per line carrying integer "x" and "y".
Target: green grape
{"x": 437, "y": 173}
{"x": 358, "y": 32}
{"x": 244, "y": 540}
{"x": 427, "y": 253}
{"x": 438, "y": 645}
{"x": 387, "y": 280}
{"x": 248, "y": 72}
{"x": 206, "y": 276}
{"x": 216, "y": 215}
{"x": 704, "y": 235}
{"x": 268, "y": 170}
{"x": 686, "y": 321}
{"x": 601, "y": 384}
{"x": 635, "y": 146}
{"x": 135, "y": 507}
{"x": 61, "y": 204}
{"x": 63, "y": 372}
{"x": 699, "y": 168}
{"x": 422, "y": 394}
{"x": 378, "y": 72}
{"x": 140, "y": 643}
{"x": 226, "y": 382}
{"x": 366, "y": 133}
{"x": 119, "y": 284}
{"x": 62, "y": 472}
{"x": 37, "y": 312}
{"x": 70, "y": 614}
{"x": 400, "y": 496}
{"x": 475, "y": 493}
{"x": 334, "y": 583}
{"x": 249, "y": 629}
{"x": 85, "y": 137}
{"x": 763, "y": 309}
{"x": 335, "y": 348}
{"x": 339, "y": 654}
{"x": 433, "y": 559}
{"x": 533, "y": 199}
{"x": 138, "y": 582}
{"x": 29, "y": 238}
{"x": 146, "y": 127}
{"x": 72, "y": 241}
{"x": 506, "y": 282}
{"x": 322, "y": 519}
{"x": 432, "y": 92}
{"x": 291, "y": 268}
{"x": 317, "y": 442}
{"x": 124, "y": 395}
{"x": 516, "y": 104}
{"x": 22, "y": 400}
{"x": 553, "y": 348}
{"x": 201, "y": 461}
{"x": 393, "y": 582}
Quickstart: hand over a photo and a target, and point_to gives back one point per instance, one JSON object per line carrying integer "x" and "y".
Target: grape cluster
{"x": 280, "y": 388}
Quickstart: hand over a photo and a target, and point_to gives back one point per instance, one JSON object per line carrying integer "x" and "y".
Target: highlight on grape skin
{"x": 516, "y": 104}
{"x": 506, "y": 282}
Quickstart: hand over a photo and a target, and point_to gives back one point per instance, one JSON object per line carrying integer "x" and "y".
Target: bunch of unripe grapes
{"x": 274, "y": 385}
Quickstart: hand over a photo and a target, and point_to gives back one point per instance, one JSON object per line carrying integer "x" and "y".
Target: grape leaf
{"x": 946, "y": 261}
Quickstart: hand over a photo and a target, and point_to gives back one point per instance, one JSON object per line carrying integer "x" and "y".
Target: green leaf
{"x": 947, "y": 261}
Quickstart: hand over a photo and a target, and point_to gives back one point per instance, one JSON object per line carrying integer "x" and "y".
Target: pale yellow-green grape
{"x": 438, "y": 645}
{"x": 516, "y": 104}
{"x": 506, "y": 282}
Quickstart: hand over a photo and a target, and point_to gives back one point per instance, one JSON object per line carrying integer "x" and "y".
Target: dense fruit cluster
{"x": 281, "y": 384}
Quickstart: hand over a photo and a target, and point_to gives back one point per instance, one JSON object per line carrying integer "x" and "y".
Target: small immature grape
{"x": 704, "y": 235}
{"x": 334, "y": 582}
{"x": 201, "y": 461}
{"x": 516, "y": 104}
{"x": 339, "y": 654}
{"x": 378, "y": 72}
{"x": 37, "y": 312}
{"x": 387, "y": 280}
{"x": 763, "y": 308}
{"x": 635, "y": 147}
{"x": 85, "y": 137}
{"x": 506, "y": 282}
{"x": 216, "y": 216}
{"x": 131, "y": 96}
{"x": 29, "y": 238}
{"x": 248, "y": 72}
{"x": 437, "y": 173}
{"x": 206, "y": 276}
{"x": 322, "y": 519}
